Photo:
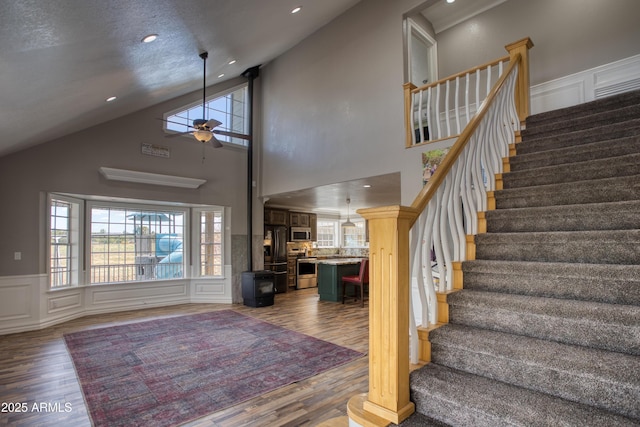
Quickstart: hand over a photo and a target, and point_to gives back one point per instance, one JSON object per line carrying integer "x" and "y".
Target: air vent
{"x": 617, "y": 88}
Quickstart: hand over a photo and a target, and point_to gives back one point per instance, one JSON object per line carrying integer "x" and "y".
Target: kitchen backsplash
{"x": 341, "y": 252}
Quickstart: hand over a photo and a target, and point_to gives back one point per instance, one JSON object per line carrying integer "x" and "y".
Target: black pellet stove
{"x": 258, "y": 288}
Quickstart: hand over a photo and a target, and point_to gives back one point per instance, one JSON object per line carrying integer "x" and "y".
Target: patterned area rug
{"x": 169, "y": 371}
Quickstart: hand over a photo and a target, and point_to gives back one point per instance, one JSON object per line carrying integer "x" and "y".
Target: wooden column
{"x": 389, "y": 287}
{"x": 408, "y": 112}
{"x": 523, "y": 103}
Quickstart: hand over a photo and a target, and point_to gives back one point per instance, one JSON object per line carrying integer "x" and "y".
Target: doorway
{"x": 421, "y": 56}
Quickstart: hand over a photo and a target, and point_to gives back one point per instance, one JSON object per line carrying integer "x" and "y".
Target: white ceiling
{"x": 61, "y": 59}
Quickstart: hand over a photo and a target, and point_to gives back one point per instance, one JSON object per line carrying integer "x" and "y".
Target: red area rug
{"x": 169, "y": 371}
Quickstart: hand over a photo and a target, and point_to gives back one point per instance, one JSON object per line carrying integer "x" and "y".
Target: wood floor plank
{"x": 36, "y": 368}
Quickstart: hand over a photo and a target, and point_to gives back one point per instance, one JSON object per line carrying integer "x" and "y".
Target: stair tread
{"x": 628, "y": 164}
{"x": 575, "y": 217}
{"x": 578, "y": 138}
{"x": 564, "y": 155}
{"x": 590, "y": 191}
{"x": 608, "y": 283}
{"x": 469, "y": 399}
{"x": 582, "y": 122}
{"x": 605, "y": 379}
{"x": 613, "y": 327}
{"x": 609, "y": 102}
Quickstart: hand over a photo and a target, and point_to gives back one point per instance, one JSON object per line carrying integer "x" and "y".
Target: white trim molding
{"x": 150, "y": 178}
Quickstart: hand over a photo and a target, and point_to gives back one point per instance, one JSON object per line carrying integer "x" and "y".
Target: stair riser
{"x": 546, "y": 379}
{"x": 604, "y": 290}
{"x": 601, "y": 150}
{"x": 586, "y": 332}
{"x": 583, "y": 192}
{"x": 577, "y": 139}
{"x": 620, "y": 216}
{"x": 579, "y": 247}
{"x": 582, "y": 123}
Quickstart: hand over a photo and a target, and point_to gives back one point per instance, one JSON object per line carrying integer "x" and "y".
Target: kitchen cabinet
{"x": 291, "y": 270}
{"x": 298, "y": 219}
{"x": 313, "y": 224}
{"x": 276, "y": 217}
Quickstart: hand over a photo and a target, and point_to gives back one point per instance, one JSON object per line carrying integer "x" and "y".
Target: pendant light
{"x": 348, "y": 222}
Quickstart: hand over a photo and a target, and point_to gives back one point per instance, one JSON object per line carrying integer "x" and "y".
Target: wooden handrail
{"x": 460, "y": 74}
{"x": 428, "y": 191}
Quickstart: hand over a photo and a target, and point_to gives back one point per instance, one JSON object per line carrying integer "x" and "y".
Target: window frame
{"x": 76, "y": 221}
{"x": 82, "y": 223}
{"x": 233, "y": 142}
{"x": 91, "y": 204}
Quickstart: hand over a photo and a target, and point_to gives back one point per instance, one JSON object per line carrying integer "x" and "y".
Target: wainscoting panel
{"x": 589, "y": 85}
{"x": 19, "y": 303}
{"x": 204, "y": 290}
{"x": 101, "y": 298}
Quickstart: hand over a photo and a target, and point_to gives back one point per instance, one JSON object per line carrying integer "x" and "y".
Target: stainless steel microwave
{"x": 300, "y": 234}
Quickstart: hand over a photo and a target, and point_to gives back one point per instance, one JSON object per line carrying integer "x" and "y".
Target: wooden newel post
{"x": 523, "y": 102}
{"x": 389, "y": 287}
{"x": 408, "y": 111}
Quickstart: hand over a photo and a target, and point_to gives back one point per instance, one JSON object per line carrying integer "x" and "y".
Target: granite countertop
{"x": 339, "y": 261}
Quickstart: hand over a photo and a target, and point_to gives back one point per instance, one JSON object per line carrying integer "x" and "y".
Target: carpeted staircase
{"x": 547, "y": 329}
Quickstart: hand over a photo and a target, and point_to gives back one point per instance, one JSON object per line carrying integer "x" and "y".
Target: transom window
{"x": 230, "y": 109}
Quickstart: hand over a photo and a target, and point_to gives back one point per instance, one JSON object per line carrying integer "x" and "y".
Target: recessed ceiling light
{"x": 149, "y": 38}
{"x": 221, "y": 75}
{"x": 111, "y": 98}
{"x": 233, "y": 61}
{"x": 367, "y": 186}
{"x": 296, "y": 10}
{"x": 450, "y": 1}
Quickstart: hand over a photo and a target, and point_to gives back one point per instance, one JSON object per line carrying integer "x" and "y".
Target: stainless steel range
{"x": 307, "y": 273}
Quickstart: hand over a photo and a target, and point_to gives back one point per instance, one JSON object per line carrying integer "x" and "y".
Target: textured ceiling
{"x": 60, "y": 59}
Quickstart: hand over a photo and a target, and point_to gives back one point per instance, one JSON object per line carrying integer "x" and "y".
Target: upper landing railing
{"x": 441, "y": 221}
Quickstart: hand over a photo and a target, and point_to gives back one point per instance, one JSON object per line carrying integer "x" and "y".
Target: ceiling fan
{"x": 203, "y": 130}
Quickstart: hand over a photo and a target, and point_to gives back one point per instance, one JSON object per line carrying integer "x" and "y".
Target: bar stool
{"x": 359, "y": 280}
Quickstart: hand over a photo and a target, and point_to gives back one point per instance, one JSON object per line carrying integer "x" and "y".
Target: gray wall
{"x": 70, "y": 165}
{"x": 569, "y": 35}
{"x": 333, "y": 104}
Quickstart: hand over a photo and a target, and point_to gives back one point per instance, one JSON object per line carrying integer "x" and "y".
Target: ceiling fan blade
{"x": 216, "y": 144}
{"x": 174, "y": 134}
{"x": 212, "y": 123}
{"x": 231, "y": 134}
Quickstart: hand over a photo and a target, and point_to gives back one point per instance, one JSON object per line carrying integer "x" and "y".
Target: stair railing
{"x": 449, "y": 203}
{"x": 441, "y": 218}
{"x": 440, "y": 110}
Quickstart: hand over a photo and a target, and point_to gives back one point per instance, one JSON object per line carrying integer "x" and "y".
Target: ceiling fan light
{"x": 203, "y": 135}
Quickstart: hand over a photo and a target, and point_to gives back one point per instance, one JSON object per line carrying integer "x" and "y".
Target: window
{"x": 129, "y": 242}
{"x": 327, "y": 234}
{"x": 229, "y": 108}
{"x": 354, "y": 237}
{"x": 211, "y": 243}
{"x": 64, "y": 242}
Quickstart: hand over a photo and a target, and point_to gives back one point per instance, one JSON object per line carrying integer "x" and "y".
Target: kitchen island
{"x": 330, "y": 272}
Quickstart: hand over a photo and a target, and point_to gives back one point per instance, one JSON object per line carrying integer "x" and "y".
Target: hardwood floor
{"x": 36, "y": 369}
